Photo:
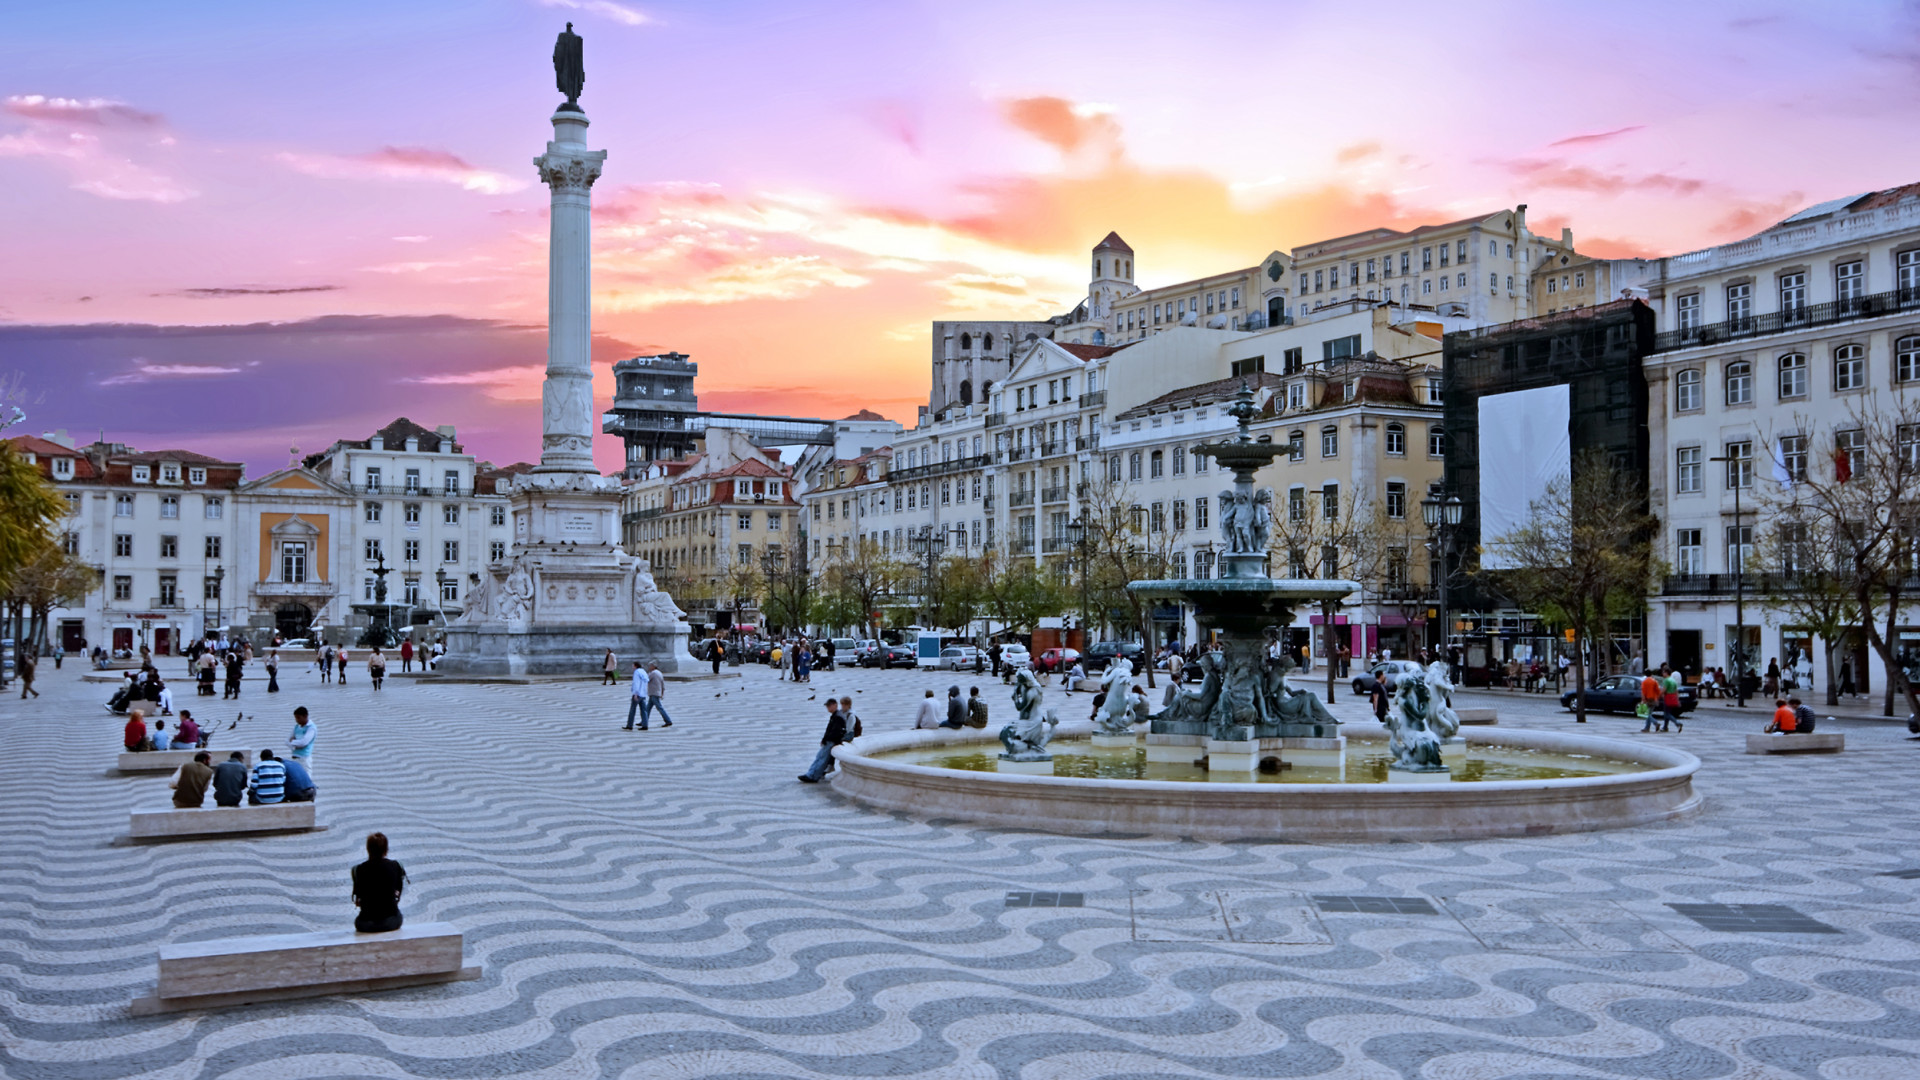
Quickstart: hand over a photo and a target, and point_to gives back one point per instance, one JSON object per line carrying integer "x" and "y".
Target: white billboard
{"x": 1524, "y": 447}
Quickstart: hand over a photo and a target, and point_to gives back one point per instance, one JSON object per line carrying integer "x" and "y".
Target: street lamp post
{"x": 1442, "y": 517}
{"x": 929, "y": 544}
{"x": 1077, "y": 536}
{"x": 1738, "y": 559}
{"x": 440, "y": 598}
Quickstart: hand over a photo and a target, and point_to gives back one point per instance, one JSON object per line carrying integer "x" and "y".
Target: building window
{"x": 450, "y": 591}
{"x": 123, "y": 545}
{"x": 372, "y": 552}
{"x": 1793, "y": 376}
{"x": 497, "y": 551}
{"x": 1686, "y": 390}
{"x": 373, "y": 512}
{"x": 1156, "y": 464}
{"x": 1397, "y": 440}
{"x": 1329, "y": 441}
{"x": 450, "y": 483}
{"x": 169, "y": 547}
{"x": 1739, "y": 383}
{"x": 1200, "y": 513}
{"x": 293, "y": 562}
{"x": 141, "y": 474}
{"x": 373, "y": 481}
{"x": 1296, "y": 445}
{"x": 1340, "y": 348}
{"x": 497, "y": 515}
{"x": 1180, "y": 515}
{"x": 1793, "y": 293}
{"x": 1179, "y": 461}
{"x": 122, "y": 587}
{"x": 1739, "y": 547}
{"x": 1686, "y": 552}
{"x": 410, "y": 549}
{"x": 123, "y": 506}
{"x": 1851, "y": 446}
{"x": 170, "y": 507}
{"x": 209, "y": 588}
{"x": 413, "y": 481}
{"x": 1688, "y": 307}
{"x": 1793, "y": 457}
{"x": 1396, "y": 499}
{"x": 1426, "y": 258}
{"x": 1849, "y": 283}
{"x": 1297, "y": 396}
{"x": 1740, "y": 305}
{"x": 449, "y": 551}
{"x": 211, "y": 547}
{"x": 411, "y": 511}
{"x": 1133, "y": 465}
{"x": 1297, "y": 505}
{"x": 215, "y": 507}
{"x": 746, "y": 554}
{"x": 1739, "y": 457}
{"x": 1158, "y": 517}
{"x": 1908, "y": 275}
{"x": 1686, "y": 470}
{"x": 450, "y": 514}
{"x": 1330, "y": 502}
{"x": 1849, "y": 368}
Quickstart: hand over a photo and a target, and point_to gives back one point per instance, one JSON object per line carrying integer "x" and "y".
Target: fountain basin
{"x": 1659, "y": 788}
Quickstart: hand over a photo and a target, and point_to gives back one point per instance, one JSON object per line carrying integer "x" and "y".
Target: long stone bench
{"x": 169, "y": 760}
{"x": 172, "y": 823}
{"x": 1820, "y": 742}
{"x": 1477, "y": 716}
{"x": 279, "y": 967}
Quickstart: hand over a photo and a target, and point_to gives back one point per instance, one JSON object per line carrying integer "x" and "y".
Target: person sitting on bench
{"x": 230, "y": 780}
{"x": 269, "y": 781}
{"x": 1784, "y": 722}
{"x": 136, "y": 736}
{"x": 161, "y": 740}
{"x": 190, "y": 783}
{"x": 186, "y": 733}
{"x": 377, "y": 885}
{"x": 299, "y": 781}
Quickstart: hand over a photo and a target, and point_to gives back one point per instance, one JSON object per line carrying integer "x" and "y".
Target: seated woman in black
{"x": 377, "y": 884}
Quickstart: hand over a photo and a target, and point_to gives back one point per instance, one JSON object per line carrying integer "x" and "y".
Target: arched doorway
{"x": 293, "y": 620}
{"x": 1276, "y": 311}
{"x": 966, "y": 392}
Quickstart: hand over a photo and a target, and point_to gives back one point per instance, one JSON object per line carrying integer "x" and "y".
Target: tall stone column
{"x": 566, "y": 399}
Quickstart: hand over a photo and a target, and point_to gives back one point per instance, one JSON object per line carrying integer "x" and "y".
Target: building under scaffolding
{"x": 656, "y": 413}
{"x": 1596, "y": 353}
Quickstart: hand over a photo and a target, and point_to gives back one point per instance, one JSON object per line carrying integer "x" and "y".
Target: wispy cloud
{"x": 1559, "y": 174}
{"x": 620, "y": 13}
{"x": 98, "y": 142}
{"x": 148, "y": 372}
{"x": 1597, "y": 137}
{"x": 251, "y": 290}
{"x": 1067, "y": 126}
{"x": 517, "y": 382}
{"x": 404, "y": 163}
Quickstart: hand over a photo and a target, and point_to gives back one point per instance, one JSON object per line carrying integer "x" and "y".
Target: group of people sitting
{"x": 185, "y": 736}
{"x": 970, "y": 711}
{"x": 274, "y": 780}
{"x": 144, "y": 684}
{"x": 1790, "y": 717}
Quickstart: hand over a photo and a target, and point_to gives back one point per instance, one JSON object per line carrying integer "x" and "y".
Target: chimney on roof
{"x": 58, "y": 436}
{"x": 446, "y": 431}
{"x": 1520, "y": 217}
{"x": 1566, "y": 238}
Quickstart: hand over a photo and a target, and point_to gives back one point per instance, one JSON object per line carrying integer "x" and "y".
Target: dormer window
{"x": 169, "y": 473}
{"x": 63, "y": 468}
{"x": 196, "y": 476}
{"x": 142, "y": 474}
{"x": 743, "y": 489}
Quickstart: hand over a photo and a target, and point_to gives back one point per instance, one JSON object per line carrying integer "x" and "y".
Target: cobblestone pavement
{"x": 673, "y": 904}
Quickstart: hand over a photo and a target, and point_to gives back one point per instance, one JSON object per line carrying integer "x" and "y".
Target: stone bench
{"x": 1820, "y": 742}
{"x": 279, "y": 967}
{"x": 172, "y": 823}
{"x": 1477, "y": 716}
{"x": 169, "y": 760}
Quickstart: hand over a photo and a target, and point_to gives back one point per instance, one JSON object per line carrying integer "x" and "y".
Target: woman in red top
{"x": 137, "y": 737}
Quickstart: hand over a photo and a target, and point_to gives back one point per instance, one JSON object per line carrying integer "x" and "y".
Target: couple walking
{"x": 649, "y": 686}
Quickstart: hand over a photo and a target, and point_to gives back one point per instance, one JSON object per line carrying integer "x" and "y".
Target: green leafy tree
{"x": 1016, "y": 593}
{"x": 29, "y": 508}
{"x": 855, "y": 589}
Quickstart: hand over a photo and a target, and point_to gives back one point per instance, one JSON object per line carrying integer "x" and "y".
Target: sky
{"x": 245, "y": 228}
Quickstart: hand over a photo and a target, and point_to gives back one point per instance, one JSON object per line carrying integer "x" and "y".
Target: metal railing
{"x": 1020, "y": 498}
{"x": 1053, "y": 545}
{"x": 1054, "y": 494}
{"x": 1093, "y": 399}
{"x": 1087, "y": 442}
{"x": 940, "y": 468}
{"x": 166, "y": 603}
{"x": 995, "y": 419}
{"x": 1021, "y": 547}
{"x": 1789, "y": 320}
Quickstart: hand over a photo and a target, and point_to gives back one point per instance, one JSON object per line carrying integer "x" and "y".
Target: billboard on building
{"x": 1524, "y": 447}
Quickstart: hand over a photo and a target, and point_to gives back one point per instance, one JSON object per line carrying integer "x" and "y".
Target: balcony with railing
{"x": 940, "y": 468}
{"x": 1054, "y": 545}
{"x": 1086, "y": 442}
{"x": 1727, "y": 585}
{"x": 996, "y": 419}
{"x": 166, "y": 603}
{"x": 1022, "y": 546}
{"x": 1093, "y": 399}
{"x": 1020, "y": 498}
{"x": 1055, "y": 494}
{"x": 1790, "y": 320}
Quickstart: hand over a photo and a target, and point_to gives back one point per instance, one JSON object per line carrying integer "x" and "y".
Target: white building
{"x": 1768, "y": 348}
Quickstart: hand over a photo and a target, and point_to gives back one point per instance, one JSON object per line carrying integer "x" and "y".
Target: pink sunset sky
{"x": 239, "y": 227}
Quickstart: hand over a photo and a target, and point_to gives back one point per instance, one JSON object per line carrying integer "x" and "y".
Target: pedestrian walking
{"x": 340, "y": 662}
{"x": 273, "y": 671}
{"x": 406, "y": 655}
{"x": 59, "y": 654}
{"x": 656, "y": 690}
{"x": 714, "y": 654}
{"x": 1846, "y": 677}
{"x": 637, "y": 698}
{"x": 376, "y": 668}
{"x": 234, "y": 665}
{"x": 1378, "y": 700}
{"x": 28, "y": 664}
{"x": 609, "y": 669}
{"x": 326, "y": 663}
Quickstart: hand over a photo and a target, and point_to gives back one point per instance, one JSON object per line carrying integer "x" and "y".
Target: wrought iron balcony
{"x": 995, "y": 419}
{"x": 1093, "y": 400}
{"x": 1021, "y": 547}
{"x": 1053, "y": 545}
{"x": 1792, "y": 319}
{"x": 1087, "y": 442}
{"x": 1054, "y": 494}
{"x": 1020, "y": 498}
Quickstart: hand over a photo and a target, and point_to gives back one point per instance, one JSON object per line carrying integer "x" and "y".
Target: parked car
{"x": 1103, "y": 652}
{"x": 824, "y": 660}
{"x": 890, "y": 656}
{"x": 298, "y": 644}
{"x": 958, "y": 657}
{"x": 1385, "y": 672}
{"x": 1015, "y": 656}
{"x": 845, "y": 648}
{"x": 863, "y": 648}
{"x": 1057, "y": 659}
{"x": 1621, "y": 694}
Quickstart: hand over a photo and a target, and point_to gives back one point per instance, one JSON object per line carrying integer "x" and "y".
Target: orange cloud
{"x": 1063, "y": 125}
{"x": 404, "y": 163}
{"x": 1357, "y": 152}
{"x": 1559, "y": 174}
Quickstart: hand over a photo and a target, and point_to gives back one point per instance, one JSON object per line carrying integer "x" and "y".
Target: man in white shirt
{"x": 637, "y": 692}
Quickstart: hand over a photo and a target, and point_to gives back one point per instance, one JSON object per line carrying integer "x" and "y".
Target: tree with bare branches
{"x": 1807, "y": 581}
{"x": 1584, "y": 558}
{"x": 854, "y": 587}
{"x": 1334, "y": 535}
{"x": 1124, "y": 544}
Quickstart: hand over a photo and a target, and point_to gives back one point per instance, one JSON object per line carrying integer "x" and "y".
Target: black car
{"x": 1103, "y": 652}
{"x": 1621, "y": 694}
{"x": 1386, "y": 672}
{"x": 887, "y": 656}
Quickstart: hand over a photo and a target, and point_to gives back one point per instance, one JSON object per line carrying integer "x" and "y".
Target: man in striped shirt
{"x": 269, "y": 781}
